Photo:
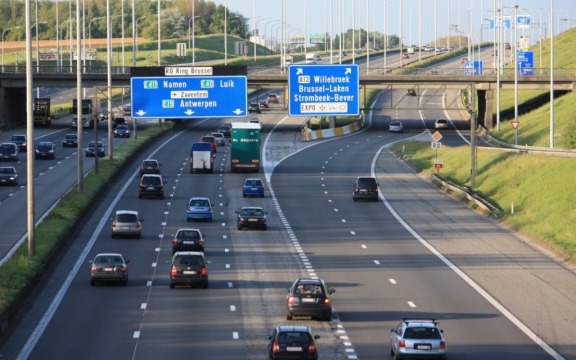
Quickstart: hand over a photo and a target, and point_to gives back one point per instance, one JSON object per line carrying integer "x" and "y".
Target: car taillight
{"x": 175, "y": 241}
{"x": 326, "y": 301}
{"x": 275, "y": 347}
{"x": 94, "y": 269}
{"x": 442, "y": 345}
{"x": 355, "y": 190}
{"x": 174, "y": 271}
{"x": 189, "y": 208}
{"x": 201, "y": 241}
{"x": 241, "y": 220}
{"x": 243, "y": 188}
{"x": 204, "y": 271}
{"x": 138, "y": 225}
{"x": 142, "y": 167}
{"x": 121, "y": 268}
{"x": 113, "y": 223}
{"x": 290, "y": 300}
{"x": 402, "y": 344}
{"x": 312, "y": 349}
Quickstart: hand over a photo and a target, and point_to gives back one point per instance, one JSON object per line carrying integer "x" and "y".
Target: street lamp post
{"x": 265, "y": 32}
{"x": 38, "y": 46}
{"x": 90, "y": 30}
{"x": 255, "y": 28}
{"x": 3, "y": 33}
{"x": 136, "y": 22}
{"x": 497, "y": 28}
{"x": 69, "y": 31}
{"x": 515, "y": 7}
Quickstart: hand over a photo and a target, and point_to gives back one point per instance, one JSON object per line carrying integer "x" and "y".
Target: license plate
{"x": 124, "y": 228}
{"x": 3, "y": 180}
{"x": 149, "y": 168}
{"x": 253, "y": 220}
{"x": 150, "y": 188}
{"x": 423, "y": 346}
{"x": 293, "y": 348}
{"x": 108, "y": 269}
{"x": 363, "y": 191}
{"x": 254, "y": 189}
{"x": 308, "y": 300}
{"x": 187, "y": 272}
{"x": 198, "y": 209}
{"x": 189, "y": 242}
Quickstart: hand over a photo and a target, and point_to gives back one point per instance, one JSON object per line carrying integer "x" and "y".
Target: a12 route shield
{"x": 323, "y": 90}
{"x": 189, "y": 97}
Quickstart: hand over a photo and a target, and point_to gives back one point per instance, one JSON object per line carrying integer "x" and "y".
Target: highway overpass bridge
{"x": 13, "y": 99}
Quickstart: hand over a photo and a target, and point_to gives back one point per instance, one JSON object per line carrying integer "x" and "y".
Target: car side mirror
{"x": 90, "y": 261}
{"x": 332, "y": 291}
{"x": 392, "y": 330}
{"x": 237, "y": 212}
{"x": 208, "y": 262}
{"x": 268, "y": 337}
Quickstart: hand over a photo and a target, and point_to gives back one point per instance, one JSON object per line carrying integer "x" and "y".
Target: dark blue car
{"x": 90, "y": 149}
{"x": 253, "y": 187}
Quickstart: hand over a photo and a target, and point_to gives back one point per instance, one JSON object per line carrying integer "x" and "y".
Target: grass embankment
{"x": 535, "y": 185}
{"x": 21, "y": 270}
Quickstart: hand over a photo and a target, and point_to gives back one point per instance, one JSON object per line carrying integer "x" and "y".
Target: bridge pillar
{"x": 12, "y": 107}
{"x": 489, "y": 109}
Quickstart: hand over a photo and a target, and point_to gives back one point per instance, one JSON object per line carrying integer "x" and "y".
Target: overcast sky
{"x": 316, "y": 13}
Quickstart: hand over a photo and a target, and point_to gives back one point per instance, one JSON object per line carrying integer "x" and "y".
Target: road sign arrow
{"x": 140, "y": 112}
{"x": 299, "y": 71}
{"x": 188, "y": 112}
{"x": 348, "y": 71}
{"x": 237, "y": 111}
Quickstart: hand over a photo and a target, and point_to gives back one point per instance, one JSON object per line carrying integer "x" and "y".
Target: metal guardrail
{"x": 525, "y": 149}
{"x": 469, "y": 194}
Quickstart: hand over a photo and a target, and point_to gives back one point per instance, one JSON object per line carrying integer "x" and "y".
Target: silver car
{"x": 396, "y": 126}
{"x": 220, "y": 139}
{"x": 127, "y": 223}
{"x": 418, "y": 338}
{"x": 441, "y": 124}
{"x": 109, "y": 267}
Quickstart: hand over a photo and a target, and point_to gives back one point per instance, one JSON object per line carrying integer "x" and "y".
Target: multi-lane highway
{"x": 416, "y": 253}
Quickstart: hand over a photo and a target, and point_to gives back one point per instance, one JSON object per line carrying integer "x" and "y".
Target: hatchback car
{"x": 127, "y": 110}
{"x": 405, "y": 56}
{"x": 309, "y": 297}
{"x": 70, "y": 140}
{"x": 45, "y": 150}
{"x": 127, "y": 223}
{"x": 188, "y": 240}
{"x": 365, "y": 188}
{"x": 417, "y": 338}
{"x": 189, "y": 268}
{"x": 122, "y": 131}
{"x": 20, "y": 141}
{"x": 91, "y": 149}
{"x": 225, "y": 129}
{"x": 253, "y": 107}
{"x": 253, "y": 187}
{"x": 395, "y": 127}
{"x": 441, "y": 124}
{"x": 292, "y": 342}
{"x": 251, "y": 217}
{"x": 8, "y": 175}
{"x": 109, "y": 267}
{"x": 199, "y": 208}
{"x": 272, "y": 99}
{"x": 149, "y": 166}
{"x": 263, "y": 104}
{"x": 220, "y": 139}
{"x": 210, "y": 140}
{"x": 9, "y": 152}
{"x": 151, "y": 185}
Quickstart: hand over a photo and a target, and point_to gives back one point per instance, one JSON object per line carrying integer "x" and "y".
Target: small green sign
{"x": 150, "y": 84}
{"x": 168, "y": 104}
{"x": 207, "y": 84}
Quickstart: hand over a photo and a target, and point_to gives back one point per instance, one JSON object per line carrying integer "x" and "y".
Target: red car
{"x": 405, "y": 56}
{"x": 210, "y": 139}
{"x": 463, "y": 60}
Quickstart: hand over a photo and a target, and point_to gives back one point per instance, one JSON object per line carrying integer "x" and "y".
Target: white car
{"x": 396, "y": 126}
{"x": 441, "y": 124}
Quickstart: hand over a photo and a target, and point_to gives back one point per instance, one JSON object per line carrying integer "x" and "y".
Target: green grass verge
{"x": 535, "y": 184}
{"x": 20, "y": 271}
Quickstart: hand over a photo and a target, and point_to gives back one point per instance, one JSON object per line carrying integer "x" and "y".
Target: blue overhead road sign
{"x": 525, "y": 63}
{"x": 187, "y": 97}
{"x": 323, "y": 90}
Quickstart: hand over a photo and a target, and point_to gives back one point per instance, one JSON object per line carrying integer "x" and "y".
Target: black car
{"x": 189, "y": 268}
{"x": 8, "y": 175}
{"x": 411, "y": 92}
{"x": 118, "y": 120}
{"x": 225, "y": 129}
{"x": 151, "y": 185}
{"x": 263, "y": 104}
{"x": 309, "y": 297}
{"x": 272, "y": 99}
{"x": 90, "y": 149}
{"x": 251, "y": 217}
{"x": 188, "y": 240}
{"x": 149, "y": 166}
{"x": 20, "y": 141}
{"x": 122, "y": 131}
{"x": 70, "y": 140}
{"x": 9, "y": 152}
{"x": 292, "y": 342}
{"x": 365, "y": 188}
{"x": 109, "y": 267}
{"x": 45, "y": 150}
{"x": 254, "y": 107}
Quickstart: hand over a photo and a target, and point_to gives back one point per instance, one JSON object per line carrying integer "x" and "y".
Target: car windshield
{"x": 70, "y": 137}
{"x": 7, "y": 171}
{"x": 422, "y": 333}
{"x": 44, "y": 146}
{"x": 252, "y": 212}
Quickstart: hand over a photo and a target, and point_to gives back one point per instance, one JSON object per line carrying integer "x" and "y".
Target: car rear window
{"x": 188, "y": 234}
{"x": 189, "y": 260}
{"x": 294, "y": 337}
{"x": 253, "y": 182}
{"x": 7, "y": 171}
{"x": 150, "y": 181}
{"x": 367, "y": 182}
{"x": 252, "y": 212}
{"x": 422, "y": 333}
{"x": 308, "y": 289}
{"x": 149, "y": 163}
{"x": 199, "y": 203}
{"x": 126, "y": 218}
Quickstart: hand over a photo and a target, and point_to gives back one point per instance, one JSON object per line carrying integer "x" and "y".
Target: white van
{"x": 310, "y": 58}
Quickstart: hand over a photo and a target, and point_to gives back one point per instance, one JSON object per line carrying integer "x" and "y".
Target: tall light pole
{"x": 410, "y": 32}
{"x": 159, "y": 34}
{"x": 136, "y": 51}
{"x": 3, "y": 33}
{"x": 448, "y": 41}
{"x": 551, "y": 74}
{"x": 420, "y": 31}
{"x": 134, "y": 31}
{"x": 400, "y": 37}
{"x": 387, "y": 8}
{"x": 255, "y": 28}
{"x": 123, "y": 57}
{"x": 265, "y": 33}
{"x": 515, "y": 43}
{"x": 225, "y": 32}
{"x": 38, "y": 49}
{"x": 90, "y": 30}
{"x": 497, "y": 28}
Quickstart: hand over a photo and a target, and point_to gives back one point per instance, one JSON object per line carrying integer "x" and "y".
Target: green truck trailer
{"x": 245, "y": 147}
